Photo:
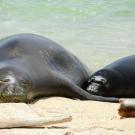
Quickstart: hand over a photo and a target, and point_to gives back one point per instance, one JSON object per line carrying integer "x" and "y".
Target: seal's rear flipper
{"x": 88, "y": 96}
{"x": 78, "y": 92}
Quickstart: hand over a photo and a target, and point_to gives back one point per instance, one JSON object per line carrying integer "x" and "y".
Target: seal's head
{"x": 103, "y": 83}
{"x": 14, "y": 86}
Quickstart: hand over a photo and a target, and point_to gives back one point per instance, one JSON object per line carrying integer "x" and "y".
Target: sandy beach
{"x": 88, "y": 118}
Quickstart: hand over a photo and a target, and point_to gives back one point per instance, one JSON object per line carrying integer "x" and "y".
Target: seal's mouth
{"x": 93, "y": 88}
{"x": 15, "y": 99}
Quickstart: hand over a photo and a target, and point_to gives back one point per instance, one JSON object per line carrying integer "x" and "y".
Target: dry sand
{"x": 88, "y": 118}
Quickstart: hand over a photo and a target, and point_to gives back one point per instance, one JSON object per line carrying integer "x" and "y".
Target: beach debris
{"x": 22, "y": 115}
{"x": 127, "y": 108}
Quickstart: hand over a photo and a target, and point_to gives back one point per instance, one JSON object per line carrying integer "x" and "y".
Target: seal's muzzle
{"x": 96, "y": 83}
{"x": 12, "y": 90}
{"x": 93, "y": 87}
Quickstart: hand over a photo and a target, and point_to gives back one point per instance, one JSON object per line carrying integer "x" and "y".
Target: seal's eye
{"x": 6, "y": 80}
{"x": 103, "y": 80}
{"x": 24, "y": 82}
{"x": 98, "y": 79}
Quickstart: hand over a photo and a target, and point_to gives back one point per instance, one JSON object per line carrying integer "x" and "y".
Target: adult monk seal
{"x": 115, "y": 80}
{"x": 32, "y": 66}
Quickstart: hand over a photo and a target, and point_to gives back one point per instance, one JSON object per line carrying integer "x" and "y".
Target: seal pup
{"x": 114, "y": 80}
